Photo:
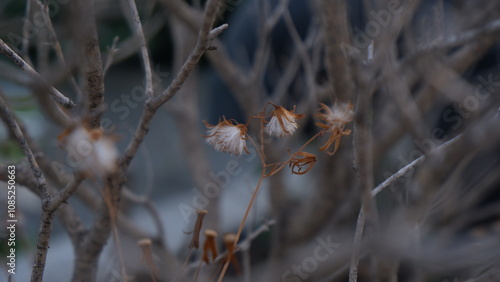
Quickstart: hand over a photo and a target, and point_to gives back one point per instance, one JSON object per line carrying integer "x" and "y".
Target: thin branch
{"x": 65, "y": 193}
{"x": 136, "y": 25}
{"x": 203, "y": 44}
{"x": 150, "y": 207}
{"x": 152, "y": 105}
{"x": 242, "y": 224}
{"x": 26, "y": 38}
{"x": 57, "y": 45}
{"x": 233, "y": 76}
{"x": 454, "y": 40}
{"x": 302, "y": 49}
{"x": 10, "y": 121}
{"x": 356, "y": 246}
{"x": 99, "y": 233}
{"x": 111, "y": 55}
{"x": 47, "y": 215}
{"x": 390, "y": 180}
{"x": 18, "y": 61}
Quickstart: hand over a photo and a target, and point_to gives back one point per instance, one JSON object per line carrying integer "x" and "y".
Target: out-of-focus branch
{"x": 11, "y": 123}
{"x": 335, "y": 28}
{"x": 185, "y": 111}
{"x": 63, "y": 195}
{"x": 131, "y": 45}
{"x": 455, "y": 40}
{"x": 152, "y": 105}
{"x": 26, "y": 40}
{"x": 135, "y": 23}
{"x": 204, "y": 38}
{"x": 150, "y": 207}
{"x": 52, "y": 36}
{"x": 459, "y": 61}
{"x": 47, "y": 214}
{"x": 90, "y": 249}
{"x": 18, "y": 61}
{"x": 398, "y": 88}
{"x": 235, "y": 78}
{"x": 363, "y": 162}
{"x": 90, "y": 60}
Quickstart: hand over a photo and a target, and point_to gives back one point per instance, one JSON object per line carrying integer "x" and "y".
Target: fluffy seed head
{"x": 92, "y": 150}
{"x": 334, "y": 120}
{"x": 283, "y": 122}
{"x": 227, "y": 136}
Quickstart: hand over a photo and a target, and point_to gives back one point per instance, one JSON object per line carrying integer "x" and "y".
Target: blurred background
{"x": 419, "y": 73}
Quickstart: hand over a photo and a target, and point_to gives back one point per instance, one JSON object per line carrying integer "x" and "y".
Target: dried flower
{"x": 210, "y": 246}
{"x": 335, "y": 119}
{"x": 228, "y": 136}
{"x": 283, "y": 122}
{"x": 90, "y": 148}
{"x": 301, "y": 160}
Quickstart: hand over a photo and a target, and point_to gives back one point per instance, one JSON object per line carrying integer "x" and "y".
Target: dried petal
{"x": 302, "y": 160}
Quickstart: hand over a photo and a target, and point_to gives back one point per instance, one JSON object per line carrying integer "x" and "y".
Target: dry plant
{"x": 375, "y": 124}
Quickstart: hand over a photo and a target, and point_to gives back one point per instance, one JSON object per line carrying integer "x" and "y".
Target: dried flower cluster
{"x": 229, "y": 136}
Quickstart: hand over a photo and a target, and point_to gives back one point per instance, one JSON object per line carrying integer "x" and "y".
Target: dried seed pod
{"x": 210, "y": 246}
{"x": 229, "y": 240}
{"x": 195, "y": 241}
{"x": 302, "y": 160}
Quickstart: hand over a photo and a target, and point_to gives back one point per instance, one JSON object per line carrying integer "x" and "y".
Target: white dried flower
{"x": 91, "y": 149}
{"x": 283, "y": 122}
{"x": 334, "y": 121}
{"x": 228, "y": 136}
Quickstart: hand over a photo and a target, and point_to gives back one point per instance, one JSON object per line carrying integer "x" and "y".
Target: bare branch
{"x": 90, "y": 59}
{"x": 18, "y": 61}
{"x": 10, "y": 120}
{"x": 335, "y": 28}
{"x": 135, "y": 23}
{"x": 152, "y": 105}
